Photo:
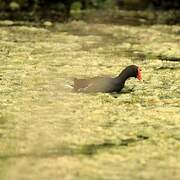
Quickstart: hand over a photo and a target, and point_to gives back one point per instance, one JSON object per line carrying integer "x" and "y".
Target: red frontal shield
{"x": 139, "y": 76}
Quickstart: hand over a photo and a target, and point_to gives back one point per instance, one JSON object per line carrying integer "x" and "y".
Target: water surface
{"x": 49, "y": 132}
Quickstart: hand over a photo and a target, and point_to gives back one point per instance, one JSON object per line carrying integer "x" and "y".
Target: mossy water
{"x": 49, "y": 132}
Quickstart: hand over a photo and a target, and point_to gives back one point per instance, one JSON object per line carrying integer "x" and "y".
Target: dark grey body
{"x": 97, "y": 84}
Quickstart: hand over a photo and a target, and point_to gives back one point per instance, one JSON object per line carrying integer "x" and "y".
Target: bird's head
{"x": 134, "y": 71}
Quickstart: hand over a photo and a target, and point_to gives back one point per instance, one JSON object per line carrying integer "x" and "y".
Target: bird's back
{"x": 96, "y": 84}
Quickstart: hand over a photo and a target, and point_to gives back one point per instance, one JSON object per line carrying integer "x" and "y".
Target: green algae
{"x": 47, "y": 131}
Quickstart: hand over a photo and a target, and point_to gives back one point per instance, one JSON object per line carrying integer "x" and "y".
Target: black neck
{"x": 123, "y": 76}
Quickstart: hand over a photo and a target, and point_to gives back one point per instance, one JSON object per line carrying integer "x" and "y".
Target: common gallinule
{"x": 107, "y": 84}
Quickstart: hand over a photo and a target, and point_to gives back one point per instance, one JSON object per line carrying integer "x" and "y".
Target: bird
{"x": 107, "y": 84}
